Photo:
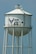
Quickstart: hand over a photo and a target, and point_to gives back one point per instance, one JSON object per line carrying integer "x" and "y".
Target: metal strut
{"x": 3, "y": 44}
{"x": 6, "y": 30}
{"x": 13, "y": 42}
{"x": 21, "y": 41}
{"x": 17, "y": 44}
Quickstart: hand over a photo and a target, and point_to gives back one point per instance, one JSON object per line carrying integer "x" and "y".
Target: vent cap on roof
{"x": 18, "y": 6}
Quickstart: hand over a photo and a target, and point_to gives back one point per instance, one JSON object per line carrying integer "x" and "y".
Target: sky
{"x": 28, "y": 5}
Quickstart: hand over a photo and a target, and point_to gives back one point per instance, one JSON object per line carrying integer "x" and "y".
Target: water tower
{"x": 18, "y": 25}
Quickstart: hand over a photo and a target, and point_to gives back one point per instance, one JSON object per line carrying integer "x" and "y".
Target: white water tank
{"x": 18, "y": 19}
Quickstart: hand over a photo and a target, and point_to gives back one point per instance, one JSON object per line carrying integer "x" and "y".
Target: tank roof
{"x": 18, "y": 10}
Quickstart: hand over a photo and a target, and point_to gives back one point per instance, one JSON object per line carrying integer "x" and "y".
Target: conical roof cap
{"x": 18, "y": 10}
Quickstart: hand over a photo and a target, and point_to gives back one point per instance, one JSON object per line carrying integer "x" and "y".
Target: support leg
{"x": 6, "y": 31}
{"x": 21, "y": 41}
{"x": 3, "y": 52}
{"x": 17, "y": 44}
{"x": 13, "y": 42}
{"x": 30, "y": 43}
